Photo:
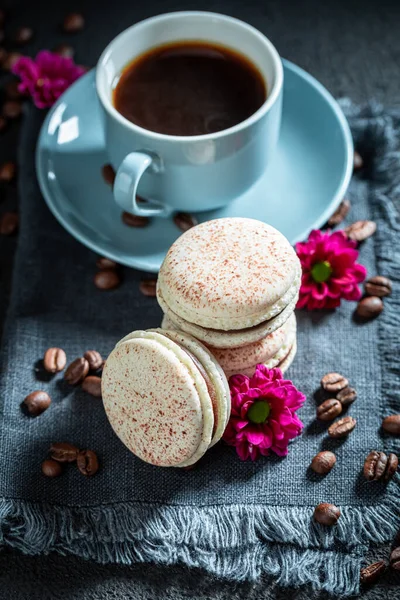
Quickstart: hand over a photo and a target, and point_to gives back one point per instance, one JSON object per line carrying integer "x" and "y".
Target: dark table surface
{"x": 353, "y": 48}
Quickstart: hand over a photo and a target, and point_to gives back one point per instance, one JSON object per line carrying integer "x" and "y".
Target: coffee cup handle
{"x": 126, "y": 182}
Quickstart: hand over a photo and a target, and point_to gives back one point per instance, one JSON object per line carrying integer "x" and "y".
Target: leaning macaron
{"x": 160, "y": 391}
{"x": 229, "y": 282}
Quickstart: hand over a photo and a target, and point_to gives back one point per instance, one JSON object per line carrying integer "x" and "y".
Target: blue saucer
{"x": 301, "y": 188}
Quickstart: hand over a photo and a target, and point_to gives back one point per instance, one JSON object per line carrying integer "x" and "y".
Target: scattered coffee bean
{"x": 323, "y": 462}
{"x": 51, "y": 468}
{"x": 108, "y": 174}
{"x": 10, "y": 60}
{"x": 372, "y": 572}
{"x": 64, "y": 50}
{"x": 54, "y": 360}
{"x": 360, "y": 230}
{"x": 37, "y": 402}
{"x": 392, "y": 424}
{"x": 3, "y": 57}
{"x": 148, "y": 287}
{"x": 342, "y": 428}
{"x": 7, "y": 172}
{"x": 87, "y": 462}
{"x": 63, "y": 452}
{"x": 369, "y": 308}
{"x": 358, "y": 162}
{"x": 378, "y": 286}
{"x": 77, "y": 371}
{"x": 9, "y": 222}
{"x": 340, "y": 213}
{"x": 23, "y": 35}
{"x": 73, "y": 23}
{"x": 92, "y": 385}
{"x": 185, "y": 221}
{"x": 329, "y": 410}
{"x": 334, "y": 382}
{"x": 395, "y": 559}
{"x": 94, "y": 359}
{"x": 346, "y": 396}
{"x": 326, "y": 514}
{"x": 134, "y": 220}
{"x": 103, "y": 263}
{"x": 3, "y": 124}
{"x": 12, "y": 91}
{"x": 391, "y": 469}
{"x": 12, "y": 109}
{"x": 375, "y": 465}
{"x": 108, "y": 279}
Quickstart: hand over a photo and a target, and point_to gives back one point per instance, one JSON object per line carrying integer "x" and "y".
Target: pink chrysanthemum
{"x": 263, "y": 416}
{"x": 330, "y": 270}
{"x": 46, "y": 77}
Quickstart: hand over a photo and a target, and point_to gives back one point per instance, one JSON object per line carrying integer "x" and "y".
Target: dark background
{"x": 353, "y": 48}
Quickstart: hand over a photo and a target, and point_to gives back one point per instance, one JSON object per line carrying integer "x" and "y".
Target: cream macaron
{"x": 166, "y": 397}
{"x": 229, "y": 282}
{"x": 277, "y": 349}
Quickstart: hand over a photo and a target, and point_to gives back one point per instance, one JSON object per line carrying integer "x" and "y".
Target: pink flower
{"x": 330, "y": 270}
{"x": 46, "y": 77}
{"x": 263, "y": 415}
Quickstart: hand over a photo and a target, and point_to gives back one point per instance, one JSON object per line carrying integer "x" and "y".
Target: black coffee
{"x": 189, "y": 88}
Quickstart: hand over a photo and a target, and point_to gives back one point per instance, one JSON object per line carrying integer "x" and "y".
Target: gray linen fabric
{"x": 237, "y": 520}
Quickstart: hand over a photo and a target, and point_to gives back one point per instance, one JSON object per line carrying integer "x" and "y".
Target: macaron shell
{"x": 156, "y": 401}
{"x": 232, "y": 339}
{"x": 229, "y": 274}
{"x": 222, "y": 406}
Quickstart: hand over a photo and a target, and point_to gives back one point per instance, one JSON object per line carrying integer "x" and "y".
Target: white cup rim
{"x": 264, "y": 108}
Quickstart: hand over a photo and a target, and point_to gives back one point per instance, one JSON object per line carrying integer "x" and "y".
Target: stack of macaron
{"x": 233, "y": 284}
{"x": 166, "y": 397}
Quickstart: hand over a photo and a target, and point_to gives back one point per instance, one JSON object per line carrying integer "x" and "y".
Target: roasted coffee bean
{"x": 37, "y": 402}
{"x": 346, "y": 396}
{"x": 378, "y": 286}
{"x": 342, "y": 428}
{"x": 360, "y": 230}
{"x": 92, "y": 385}
{"x": 64, "y": 50}
{"x": 77, "y": 371}
{"x": 323, "y": 462}
{"x": 334, "y": 382}
{"x": 326, "y": 514}
{"x": 63, "y": 452}
{"x": 94, "y": 359}
{"x": 23, "y": 35}
{"x": 185, "y": 221}
{"x": 108, "y": 174}
{"x": 3, "y": 124}
{"x": 108, "y": 279}
{"x": 9, "y": 222}
{"x": 358, "y": 162}
{"x": 51, "y": 468}
{"x": 372, "y": 572}
{"x": 340, "y": 213}
{"x": 103, "y": 263}
{"x": 87, "y": 462}
{"x": 10, "y": 60}
{"x": 392, "y": 424}
{"x": 369, "y": 308}
{"x": 12, "y": 109}
{"x": 393, "y": 463}
{"x": 375, "y": 465}
{"x": 54, "y": 360}
{"x": 12, "y": 91}
{"x": 7, "y": 172}
{"x": 134, "y": 220}
{"x": 329, "y": 410}
{"x": 395, "y": 559}
{"x": 73, "y": 23}
{"x": 148, "y": 287}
